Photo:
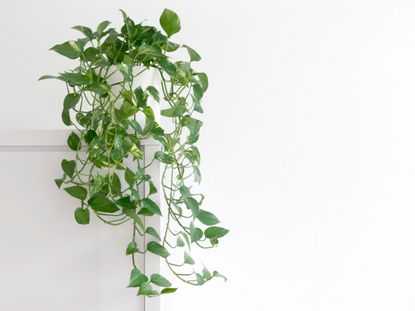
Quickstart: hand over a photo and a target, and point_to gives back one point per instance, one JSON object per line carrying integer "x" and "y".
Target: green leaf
{"x": 185, "y": 191}
{"x": 140, "y": 98}
{"x": 97, "y": 183}
{"x": 99, "y": 88}
{"x": 169, "y": 46}
{"x": 69, "y": 49}
{"x": 180, "y": 242}
{"x": 66, "y": 117}
{"x": 200, "y": 279}
{"x": 126, "y": 203}
{"x": 147, "y": 290}
{"x": 85, "y": 119}
{"x": 115, "y": 184}
{"x": 175, "y": 111}
{"x": 46, "y": 77}
{"x": 126, "y": 70}
{"x": 68, "y": 167}
{"x": 74, "y": 142}
{"x": 90, "y": 54}
{"x": 193, "y": 154}
{"x": 195, "y": 233}
{"x": 101, "y": 203}
{"x": 102, "y": 26}
{"x": 133, "y": 215}
{"x": 158, "y": 134}
{"x": 148, "y": 51}
{"x": 135, "y": 126}
{"x": 128, "y": 27}
{"x": 215, "y": 232}
{"x": 89, "y": 136}
{"x": 197, "y": 91}
{"x": 145, "y": 212}
{"x": 168, "y": 67}
{"x": 207, "y": 218}
{"x": 137, "y": 278}
{"x": 187, "y": 259}
{"x": 194, "y": 56}
{"x": 192, "y": 204}
{"x": 129, "y": 177}
{"x": 82, "y": 216}
{"x": 151, "y": 206}
{"x": 77, "y": 192}
{"x": 151, "y": 231}
{"x": 197, "y": 174}
{"x": 136, "y": 152}
{"x": 152, "y": 188}
{"x": 131, "y": 248}
{"x": 71, "y": 100}
{"x": 74, "y": 78}
{"x": 203, "y": 80}
{"x": 168, "y": 290}
{"x": 164, "y": 157}
{"x": 153, "y": 92}
{"x": 194, "y": 126}
{"x": 157, "y": 249}
{"x": 206, "y": 274}
{"x": 59, "y": 182}
{"x": 170, "y": 22}
{"x": 159, "y": 280}
{"x": 85, "y": 30}
{"x": 197, "y": 105}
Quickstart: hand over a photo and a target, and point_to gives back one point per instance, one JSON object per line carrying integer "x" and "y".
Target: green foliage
{"x": 170, "y": 22}
{"x": 131, "y": 248}
{"x": 151, "y": 206}
{"x": 215, "y": 232}
{"x": 151, "y": 231}
{"x": 194, "y": 56}
{"x": 159, "y": 280}
{"x": 77, "y": 192}
{"x": 207, "y": 218}
{"x": 111, "y": 114}
{"x": 68, "y": 167}
{"x": 157, "y": 249}
{"x": 137, "y": 278}
{"x": 82, "y": 216}
{"x": 74, "y": 142}
{"x": 101, "y": 203}
{"x": 168, "y": 290}
{"x": 70, "y": 49}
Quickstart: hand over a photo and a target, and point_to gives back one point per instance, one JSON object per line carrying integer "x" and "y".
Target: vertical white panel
{"x": 47, "y": 260}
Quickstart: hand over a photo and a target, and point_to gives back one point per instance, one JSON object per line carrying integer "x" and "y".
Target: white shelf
{"x": 33, "y": 140}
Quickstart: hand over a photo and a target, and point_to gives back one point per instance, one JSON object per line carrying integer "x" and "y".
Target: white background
{"x": 308, "y": 145}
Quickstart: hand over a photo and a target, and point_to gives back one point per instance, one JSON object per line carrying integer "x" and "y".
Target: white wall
{"x": 308, "y": 148}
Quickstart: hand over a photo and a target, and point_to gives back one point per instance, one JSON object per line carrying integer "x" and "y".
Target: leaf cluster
{"x": 111, "y": 114}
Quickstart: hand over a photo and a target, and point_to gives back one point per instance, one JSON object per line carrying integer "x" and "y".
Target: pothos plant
{"x": 111, "y": 115}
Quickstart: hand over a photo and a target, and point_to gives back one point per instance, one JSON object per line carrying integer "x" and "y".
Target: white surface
{"x": 48, "y": 261}
{"x": 44, "y": 138}
{"x": 308, "y": 149}
{"x": 46, "y": 257}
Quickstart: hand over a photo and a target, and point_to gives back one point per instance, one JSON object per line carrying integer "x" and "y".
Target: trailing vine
{"x": 111, "y": 115}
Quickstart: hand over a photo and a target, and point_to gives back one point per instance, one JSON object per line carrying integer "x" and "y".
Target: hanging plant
{"x": 110, "y": 119}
